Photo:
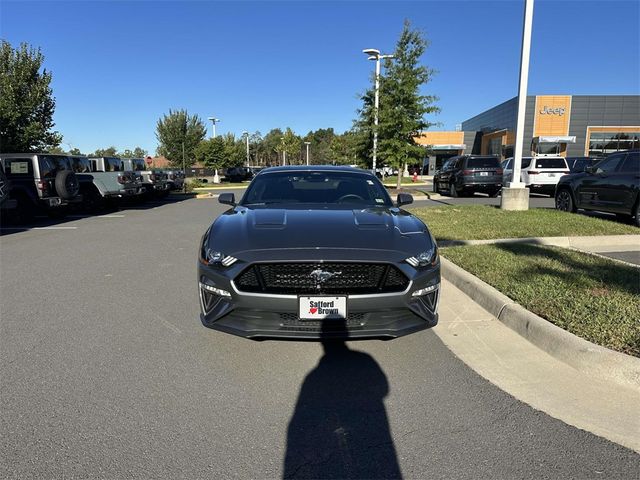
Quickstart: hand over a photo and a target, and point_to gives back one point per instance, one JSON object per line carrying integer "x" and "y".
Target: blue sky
{"x": 118, "y": 66}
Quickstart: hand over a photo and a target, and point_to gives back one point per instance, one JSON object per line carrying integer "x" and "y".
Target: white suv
{"x": 539, "y": 174}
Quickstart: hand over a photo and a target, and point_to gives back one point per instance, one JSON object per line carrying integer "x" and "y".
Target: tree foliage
{"x": 211, "y": 153}
{"x": 26, "y": 101}
{"x": 105, "y": 152}
{"x": 402, "y": 106}
{"x": 176, "y": 131}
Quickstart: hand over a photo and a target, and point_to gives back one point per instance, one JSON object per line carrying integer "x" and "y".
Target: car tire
{"x": 453, "y": 192}
{"x": 67, "y": 185}
{"x": 494, "y": 193}
{"x": 94, "y": 202}
{"x": 25, "y": 209}
{"x": 435, "y": 187}
{"x": 564, "y": 201}
{"x": 636, "y": 214}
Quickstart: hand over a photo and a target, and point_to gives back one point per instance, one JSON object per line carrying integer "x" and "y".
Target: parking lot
{"x": 107, "y": 372}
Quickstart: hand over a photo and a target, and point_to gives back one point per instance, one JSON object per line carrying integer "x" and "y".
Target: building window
{"x": 603, "y": 143}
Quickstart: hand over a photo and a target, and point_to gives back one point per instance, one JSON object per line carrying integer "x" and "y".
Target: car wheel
{"x": 94, "y": 202}
{"x": 24, "y": 211}
{"x": 564, "y": 201}
{"x": 453, "y": 191}
{"x": 494, "y": 193}
{"x": 636, "y": 214}
{"x": 67, "y": 184}
{"x": 435, "y": 186}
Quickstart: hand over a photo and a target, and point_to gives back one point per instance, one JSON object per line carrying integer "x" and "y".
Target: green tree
{"x": 344, "y": 148}
{"x": 57, "y": 150}
{"x": 290, "y": 145}
{"x": 320, "y": 146}
{"x": 75, "y": 151}
{"x": 177, "y": 131}
{"x": 105, "y": 152}
{"x": 212, "y": 153}
{"x": 403, "y": 107}
{"x": 234, "y": 150}
{"x": 26, "y": 101}
{"x": 270, "y": 147}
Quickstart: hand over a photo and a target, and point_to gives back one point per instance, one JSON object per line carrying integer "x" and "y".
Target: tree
{"x": 26, "y": 101}
{"x": 177, "y": 131}
{"x": 402, "y": 114}
{"x": 105, "y": 152}
{"x": 75, "y": 151}
{"x": 402, "y": 107}
{"x": 270, "y": 146}
{"x": 212, "y": 153}
{"x": 343, "y": 149}
{"x": 234, "y": 150}
{"x": 290, "y": 145}
{"x": 57, "y": 150}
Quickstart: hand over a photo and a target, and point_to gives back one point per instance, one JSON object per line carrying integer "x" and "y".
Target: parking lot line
{"x": 38, "y": 228}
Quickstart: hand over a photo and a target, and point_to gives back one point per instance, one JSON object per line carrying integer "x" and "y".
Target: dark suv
{"x": 238, "y": 174}
{"x": 611, "y": 185}
{"x": 40, "y": 181}
{"x": 467, "y": 174}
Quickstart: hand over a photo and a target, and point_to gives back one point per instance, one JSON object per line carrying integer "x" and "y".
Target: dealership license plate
{"x": 552, "y": 174}
{"x": 484, "y": 174}
{"x": 322, "y": 308}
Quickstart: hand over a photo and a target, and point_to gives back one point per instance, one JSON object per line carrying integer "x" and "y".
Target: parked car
{"x": 317, "y": 253}
{"x": 175, "y": 179}
{"x": 468, "y": 174}
{"x": 238, "y": 174}
{"x": 6, "y": 202}
{"x": 579, "y": 164}
{"x": 539, "y": 174}
{"x": 41, "y": 181}
{"x": 99, "y": 187}
{"x": 153, "y": 182}
{"x": 612, "y": 185}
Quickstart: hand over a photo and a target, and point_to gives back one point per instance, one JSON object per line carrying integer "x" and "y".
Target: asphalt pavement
{"x": 106, "y": 372}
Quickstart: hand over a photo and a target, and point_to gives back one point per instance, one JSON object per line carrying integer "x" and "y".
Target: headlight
{"x": 424, "y": 259}
{"x": 214, "y": 257}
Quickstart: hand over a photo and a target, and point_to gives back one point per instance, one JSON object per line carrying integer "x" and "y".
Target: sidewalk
{"x": 531, "y": 375}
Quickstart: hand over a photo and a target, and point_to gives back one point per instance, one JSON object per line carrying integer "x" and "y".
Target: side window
{"x": 18, "y": 167}
{"x": 631, "y": 164}
{"x": 459, "y": 163}
{"x": 609, "y": 164}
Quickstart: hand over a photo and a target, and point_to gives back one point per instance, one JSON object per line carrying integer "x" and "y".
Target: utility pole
{"x": 516, "y": 196}
{"x": 246, "y": 135}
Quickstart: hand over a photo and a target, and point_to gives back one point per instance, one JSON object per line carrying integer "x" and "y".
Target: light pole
{"x": 374, "y": 54}
{"x": 307, "y": 144}
{"x": 516, "y": 196}
{"x": 213, "y": 121}
{"x": 284, "y": 151}
{"x": 246, "y": 135}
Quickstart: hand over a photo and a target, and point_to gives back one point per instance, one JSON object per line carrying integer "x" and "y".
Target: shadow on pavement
{"x": 339, "y": 428}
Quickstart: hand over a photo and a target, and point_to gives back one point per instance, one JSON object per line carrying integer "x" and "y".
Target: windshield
{"x": 317, "y": 188}
{"x": 551, "y": 163}
{"x": 483, "y": 162}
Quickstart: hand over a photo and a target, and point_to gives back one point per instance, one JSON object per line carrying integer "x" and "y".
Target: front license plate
{"x": 552, "y": 174}
{"x": 320, "y": 308}
{"x": 484, "y": 174}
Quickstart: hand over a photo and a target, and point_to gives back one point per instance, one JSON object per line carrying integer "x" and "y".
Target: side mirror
{"x": 227, "y": 199}
{"x": 591, "y": 169}
{"x": 404, "y": 199}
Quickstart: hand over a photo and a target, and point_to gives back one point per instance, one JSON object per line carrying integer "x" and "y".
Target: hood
{"x": 243, "y": 229}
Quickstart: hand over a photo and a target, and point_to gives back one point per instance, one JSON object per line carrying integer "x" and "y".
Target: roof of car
{"x": 314, "y": 168}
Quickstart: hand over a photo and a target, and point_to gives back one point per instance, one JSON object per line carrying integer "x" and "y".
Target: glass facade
{"x": 603, "y": 143}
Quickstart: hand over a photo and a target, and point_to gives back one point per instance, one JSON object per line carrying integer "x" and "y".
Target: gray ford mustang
{"x": 318, "y": 252}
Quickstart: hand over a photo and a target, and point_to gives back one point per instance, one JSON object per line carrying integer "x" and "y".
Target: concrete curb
{"x": 579, "y": 243}
{"x": 579, "y": 353}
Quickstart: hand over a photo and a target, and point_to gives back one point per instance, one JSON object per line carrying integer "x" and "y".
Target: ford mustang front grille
{"x": 316, "y": 278}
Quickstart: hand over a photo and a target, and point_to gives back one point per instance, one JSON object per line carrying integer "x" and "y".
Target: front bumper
{"x": 262, "y": 316}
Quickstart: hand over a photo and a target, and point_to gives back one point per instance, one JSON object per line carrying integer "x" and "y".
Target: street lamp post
{"x": 284, "y": 151}
{"x": 213, "y": 121}
{"x": 246, "y": 135}
{"x": 516, "y": 196}
{"x": 374, "y": 54}
{"x": 307, "y": 144}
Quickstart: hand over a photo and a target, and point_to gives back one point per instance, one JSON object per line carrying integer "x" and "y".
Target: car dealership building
{"x": 566, "y": 125}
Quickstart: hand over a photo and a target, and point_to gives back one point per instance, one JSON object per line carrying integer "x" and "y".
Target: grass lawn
{"x": 481, "y": 222}
{"x": 594, "y": 298}
{"x": 393, "y": 180}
